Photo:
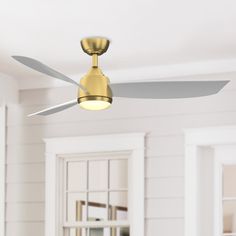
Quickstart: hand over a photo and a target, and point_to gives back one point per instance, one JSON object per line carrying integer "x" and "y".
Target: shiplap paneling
{"x": 24, "y": 212}
{"x": 165, "y": 145}
{"x": 25, "y": 192}
{"x": 25, "y": 228}
{"x": 165, "y": 227}
{"x": 171, "y": 187}
{"x": 25, "y": 173}
{"x": 164, "y": 167}
{"x": 172, "y": 107}
{"x": 34, "y": 134}
{"x": 165, "y": 208}
{"x": 162, "y": 120}
{"x": 19, "y": 154}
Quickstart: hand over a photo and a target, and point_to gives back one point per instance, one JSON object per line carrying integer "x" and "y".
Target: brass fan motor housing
{"x": 97, "y": 85}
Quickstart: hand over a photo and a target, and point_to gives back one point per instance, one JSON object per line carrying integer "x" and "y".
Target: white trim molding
{"x": 9, "y": 89}
{"x": 196, "y": 141}
{"x": 56, "y": 148}
{"x": 224, "y": 155}
{"x": 2, "y": 167}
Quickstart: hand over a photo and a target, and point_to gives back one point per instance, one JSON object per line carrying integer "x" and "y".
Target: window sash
{"x": 97, "y": 224}
{"x": 87, "y": 191}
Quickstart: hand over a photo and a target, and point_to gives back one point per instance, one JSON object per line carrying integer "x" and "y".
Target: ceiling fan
{"x": 96, "y": 93}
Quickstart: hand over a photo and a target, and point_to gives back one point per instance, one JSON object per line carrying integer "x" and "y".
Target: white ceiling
{"x": 151, "y": 35}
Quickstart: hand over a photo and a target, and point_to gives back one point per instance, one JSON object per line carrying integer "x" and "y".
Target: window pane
{"x": 110, "y": 232}
{"x": 118, "y": 174}
{"x": 99, "y": 232}
{"x": 229, "y": 209}
{"x": 77, "y": 232}
{"x": 76, "y": 172}
{"x": 121, "y": 232}
{"x": 229, "y": 180}
{"x": 97, "y": 206}
{"x": 76, "y": 207}
{"x": 96, "y": 232}
{"x": 98, "y": 175}
{"x": 119, "y": 206}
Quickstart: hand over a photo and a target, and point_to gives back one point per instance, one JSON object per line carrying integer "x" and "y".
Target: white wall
{"x": 162, "y": 120}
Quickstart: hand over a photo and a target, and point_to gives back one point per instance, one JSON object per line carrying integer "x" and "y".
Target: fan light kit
{"x": 96, "y": 93}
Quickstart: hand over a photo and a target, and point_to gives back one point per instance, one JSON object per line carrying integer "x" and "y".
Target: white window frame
{"x": 2, "y": 167}
{"x": 195, "y": 139}
{"x": 57, "y": 147}
{"x": 224, "y": 155}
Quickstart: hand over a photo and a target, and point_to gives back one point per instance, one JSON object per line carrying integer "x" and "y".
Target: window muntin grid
{"x": 109, "y": 193}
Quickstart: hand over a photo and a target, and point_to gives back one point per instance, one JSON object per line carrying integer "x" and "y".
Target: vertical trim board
{"x": 2, "y": 167}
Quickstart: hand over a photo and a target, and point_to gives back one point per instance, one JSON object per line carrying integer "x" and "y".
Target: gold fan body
{"x": 97, "y": 85}
{"x": 97, "y": 94}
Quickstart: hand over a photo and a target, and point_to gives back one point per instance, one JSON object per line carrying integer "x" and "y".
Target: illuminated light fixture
{"x": 95, "y": 105}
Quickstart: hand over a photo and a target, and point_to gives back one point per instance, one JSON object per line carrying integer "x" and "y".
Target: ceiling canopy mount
{"x": 95, "y": 45}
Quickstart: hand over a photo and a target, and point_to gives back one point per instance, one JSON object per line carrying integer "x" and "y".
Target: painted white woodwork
{"x": 8, "y": 94}
{"x": 164, "y": 226}
{"x": 165, "y": 167}
{"x": 167, "y": 208}
{"x": 2, "y": 167}
{"x": 25, "y": 192}
{"x": 96, "y": 224}
{"x": 25, "y": 173}
{"x": 8, "y": 89}
{"x": 170, "y": 187}
{"x": 57, "y": 147}
{"x": 224, "y": 155}
{"x": 25, "y": 228}
{"x": 25, "y": 212}
{"x": 163, "y": 121}
{"x": 206, "y": 150}
{"x": 25, "y": 154}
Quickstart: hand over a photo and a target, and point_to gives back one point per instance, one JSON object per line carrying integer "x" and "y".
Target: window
{"x": 95, "y": 190}
{"x": 95, "y": 185}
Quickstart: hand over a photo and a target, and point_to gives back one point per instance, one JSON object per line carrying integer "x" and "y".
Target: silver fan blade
{"x": 55, "y": 109}
{"x": 40, "y": 67}
{"x": 168, "y": 89}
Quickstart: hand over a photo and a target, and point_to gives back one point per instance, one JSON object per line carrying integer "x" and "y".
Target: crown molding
{"x": 148, "y": 73}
